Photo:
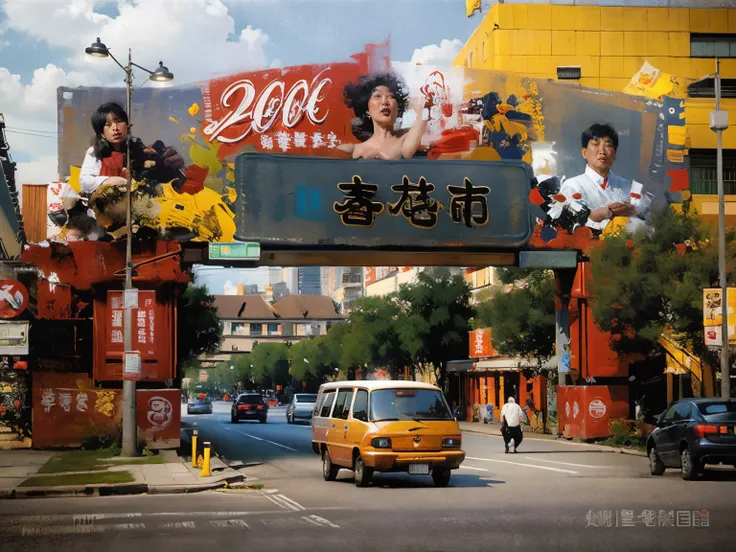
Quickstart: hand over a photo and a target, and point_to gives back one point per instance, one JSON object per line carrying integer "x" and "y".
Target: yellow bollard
{"x": 206, "y": 464}
{"x": 194, "y": 448}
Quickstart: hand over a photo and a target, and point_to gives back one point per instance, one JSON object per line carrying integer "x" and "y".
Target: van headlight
{"x": 381, "y": 442}
{"x": 452, "y": 442}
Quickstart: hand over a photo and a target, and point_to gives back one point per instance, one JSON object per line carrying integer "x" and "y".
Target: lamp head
{"x": 98, "y": 49}
{"x": 162, "y": 73}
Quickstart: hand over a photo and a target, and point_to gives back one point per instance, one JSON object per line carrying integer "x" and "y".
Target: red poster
{"x": 297, "y": 110}
{"x": 158, "y": 416}
{"x": 143, "y": 323}
{"x": 481, "y": 345}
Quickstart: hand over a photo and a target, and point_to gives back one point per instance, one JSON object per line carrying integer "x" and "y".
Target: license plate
{"x": 418, "y": 469}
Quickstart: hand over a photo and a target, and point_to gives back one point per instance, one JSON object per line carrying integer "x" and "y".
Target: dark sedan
{"x": 249, "y": 406}
{"x": 692, "y": 433}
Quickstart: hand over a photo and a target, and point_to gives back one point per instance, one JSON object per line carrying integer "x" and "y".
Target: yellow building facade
{"x": 610, "y": 45}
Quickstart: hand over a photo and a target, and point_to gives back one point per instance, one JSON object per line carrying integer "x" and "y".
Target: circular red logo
{"x": 13, "y": 298}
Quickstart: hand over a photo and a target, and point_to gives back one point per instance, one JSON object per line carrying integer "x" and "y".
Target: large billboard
{"x": 371, "y": 154}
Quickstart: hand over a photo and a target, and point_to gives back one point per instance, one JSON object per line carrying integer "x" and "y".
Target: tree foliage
{"x": 198, "y": 327}
{"x": 645, "y": 283}
{"x": 433, "y": 324}
{"x": 522, "y": 314}
{"x": 268, "y": 365}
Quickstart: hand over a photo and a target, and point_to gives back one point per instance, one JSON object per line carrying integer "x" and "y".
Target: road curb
{"x": 600, "y": 448}
{"x": 68, "y": 491}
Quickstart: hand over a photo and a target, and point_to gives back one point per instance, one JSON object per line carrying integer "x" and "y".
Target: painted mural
{"x": 15, "y": 404}
{"x": 371, "y": 153}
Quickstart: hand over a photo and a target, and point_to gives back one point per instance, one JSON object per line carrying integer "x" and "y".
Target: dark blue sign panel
{"x": 294, "y": 201}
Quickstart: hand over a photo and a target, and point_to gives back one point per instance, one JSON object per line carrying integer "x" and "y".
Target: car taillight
{"x": 242, "y": 407}
{"x": 452, "y": 442}
{"x": 701, "y": 430}
{"x": 260, "y": 407}
{"x": 381, "y": 442}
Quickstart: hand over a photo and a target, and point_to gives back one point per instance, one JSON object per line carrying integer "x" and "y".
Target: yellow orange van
{"x": 385, "y": 426}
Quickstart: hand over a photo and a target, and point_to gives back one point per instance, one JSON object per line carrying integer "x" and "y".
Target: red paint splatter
{"x": 535, "y": 197}
{"x": 680, "y": 180}
{"x": 577, "y": 195}
{"x": 630, "y": 244}
{"x": 559, "y": 197}
{"x": 681, "y": 248}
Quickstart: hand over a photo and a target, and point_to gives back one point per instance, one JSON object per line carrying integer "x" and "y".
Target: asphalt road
{"x": 551, "y": 495}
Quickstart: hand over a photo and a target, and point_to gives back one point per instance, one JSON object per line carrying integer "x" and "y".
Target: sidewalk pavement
{"x": 494, "y": 429}
{"x": 174, "y": 476}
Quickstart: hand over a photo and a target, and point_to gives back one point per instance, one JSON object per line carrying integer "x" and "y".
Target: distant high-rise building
{"x": 290, "y": 275}
{"x": 310, "y": 280}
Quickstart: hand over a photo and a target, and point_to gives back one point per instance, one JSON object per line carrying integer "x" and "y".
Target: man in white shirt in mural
{"x": 605, "y": 193}
{"x": 511, "y": 416}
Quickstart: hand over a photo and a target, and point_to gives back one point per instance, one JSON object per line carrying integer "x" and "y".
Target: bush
{"x": 624, "y": 433}
{"x": 102, "y": 441}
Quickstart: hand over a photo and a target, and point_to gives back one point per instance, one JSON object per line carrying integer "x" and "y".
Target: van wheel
{"x": 656, "y": 466}
{"x": 690, "y": 467}
{"x": 441, "y": 478}
{"x": 363, "y": 474}
{"x": 329, "y": 470}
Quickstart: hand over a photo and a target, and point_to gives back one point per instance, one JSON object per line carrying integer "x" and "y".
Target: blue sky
{"x": 42, "y": 47}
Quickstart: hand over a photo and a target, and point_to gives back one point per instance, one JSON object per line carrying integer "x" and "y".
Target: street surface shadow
{"x": 400, "y": 481}
{"x": 723, "y": 474}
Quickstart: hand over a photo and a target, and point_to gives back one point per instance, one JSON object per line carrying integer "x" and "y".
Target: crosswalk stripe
{"x": 548, "y": 468}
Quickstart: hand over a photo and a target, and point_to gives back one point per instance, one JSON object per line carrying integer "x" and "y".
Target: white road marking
{"x": 320, "y": 521}
{"x": 179, "y": 525}
{"x": 266, "y": 441}
{"x": 285, "y": 502}
{"x": 524, "y": 465}
{"x": 83, "y": 519}
{"x": 472, "y": 468}
{"x": 564, "y": 463}
{"x": 224, "y": 523}
{"x": 80, "y": 529}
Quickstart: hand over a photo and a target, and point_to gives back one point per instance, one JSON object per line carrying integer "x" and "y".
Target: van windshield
{"x": 408, "y": 404}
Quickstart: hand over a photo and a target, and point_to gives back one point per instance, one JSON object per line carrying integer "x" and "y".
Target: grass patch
{"x": 78, "y": 460}
{"x": 138, "y": 461}
{"x": 256, "y": 486}
{"x": 92, "y": 460}
{"x": 79, "y": 479}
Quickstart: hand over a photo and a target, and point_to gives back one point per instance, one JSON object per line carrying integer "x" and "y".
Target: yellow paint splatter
{"x": 194, "y": 109}
{"x": 205, "y": 213}
{"x": 193, "y": 130}
{"x": 104, "y": 403}
{"x": 230, "y": 194}
{"x": 173, "y": 120}
{"x": 686, "y": 195}
{"x": 74, "y": 179}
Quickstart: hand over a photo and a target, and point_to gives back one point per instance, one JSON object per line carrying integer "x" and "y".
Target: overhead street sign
{"x": 235, "y": 251}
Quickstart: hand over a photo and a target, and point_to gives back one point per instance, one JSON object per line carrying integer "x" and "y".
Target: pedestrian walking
{"x": 511, "y": 416}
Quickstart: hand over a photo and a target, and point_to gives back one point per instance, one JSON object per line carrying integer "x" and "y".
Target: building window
{"x": 712, "y": 45}
{"x": 256, "y": 329}
{"x": 237, "y": 328}
{"x": 706, "y": 88}
{"x": 703, "y": 177}
{"x": 273, "y": 329}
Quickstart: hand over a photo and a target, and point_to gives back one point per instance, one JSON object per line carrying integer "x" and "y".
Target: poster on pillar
{"x": 152, "y": 330}
{"x": 373, "y": 153}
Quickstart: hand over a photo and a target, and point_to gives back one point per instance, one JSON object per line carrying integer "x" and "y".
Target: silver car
{"x": 300, "y": 408}
{"x": 199, "y": 406}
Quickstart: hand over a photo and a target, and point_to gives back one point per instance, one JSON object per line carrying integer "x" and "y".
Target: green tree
{"x": 270, "y": 363}
{"x": 311, "y": 361}
{"x": 649, "y": 282}
{"x": 521, "y": 313}
{"x": 198, "y": 327}
{"x": 433, "y": 323}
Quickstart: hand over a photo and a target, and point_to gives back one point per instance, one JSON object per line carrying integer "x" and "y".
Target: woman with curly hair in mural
{"x": 378, "y": 101}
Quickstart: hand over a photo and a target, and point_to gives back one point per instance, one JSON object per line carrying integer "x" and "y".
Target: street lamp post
{"x": 719, "y": 123}
{"x": 161, "y": 74}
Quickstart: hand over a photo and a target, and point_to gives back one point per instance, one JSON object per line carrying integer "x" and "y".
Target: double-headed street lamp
{"x": 161, "y": 74}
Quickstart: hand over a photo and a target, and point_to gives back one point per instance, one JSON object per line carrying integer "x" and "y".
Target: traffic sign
{"x": 241, "y": 251}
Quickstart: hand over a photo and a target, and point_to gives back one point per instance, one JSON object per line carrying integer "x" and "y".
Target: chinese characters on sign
{"x": 144, "y": 318}
{"x": 468, "y": 203}
{"x": 358, "y": 208}
{"x": 49, "y": 396}
{"x": 647, "y": 518}
{"x": 415, "y": 204}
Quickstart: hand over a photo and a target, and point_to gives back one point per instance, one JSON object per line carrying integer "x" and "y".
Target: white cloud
{"x": 192, "y": 37}
{"x": 441, "y": 55}
{"x": 41, "y": 171}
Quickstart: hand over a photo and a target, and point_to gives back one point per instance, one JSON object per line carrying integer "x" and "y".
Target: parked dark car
{"x": 301, "y": 407}
{"x": 199, "y": 405}
{"x": 692, "y": 433}
{"x": 249, "y": 406}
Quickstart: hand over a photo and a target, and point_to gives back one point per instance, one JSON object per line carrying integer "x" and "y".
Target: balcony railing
{"x": 710, "y": 187}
